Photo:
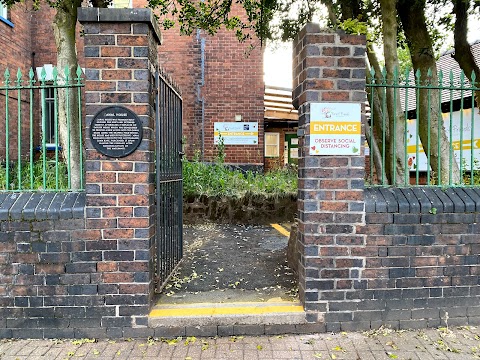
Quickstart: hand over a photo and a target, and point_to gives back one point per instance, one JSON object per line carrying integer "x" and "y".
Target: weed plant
{"x": 35, "y": 182}
{"x": 219, "y": 179}
{"x": 475, "y": 173}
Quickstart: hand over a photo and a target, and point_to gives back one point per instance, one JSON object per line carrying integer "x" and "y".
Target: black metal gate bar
{"x": 169, "y": 183}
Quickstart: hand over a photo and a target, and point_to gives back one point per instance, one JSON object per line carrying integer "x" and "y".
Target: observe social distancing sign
{"x": 335, "y": 128}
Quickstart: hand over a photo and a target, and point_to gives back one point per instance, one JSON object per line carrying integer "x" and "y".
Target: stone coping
{"x": 137, "y": 15}
{"x": 422, "y": 200}
{"x": 34, "y": 206}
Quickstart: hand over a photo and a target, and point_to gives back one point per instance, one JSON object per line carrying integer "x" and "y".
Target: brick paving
{"x": 455, "y": 343}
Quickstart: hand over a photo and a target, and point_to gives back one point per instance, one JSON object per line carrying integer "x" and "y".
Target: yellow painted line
{"x": 236, "y": 310}
{"x": 281, "y": 229}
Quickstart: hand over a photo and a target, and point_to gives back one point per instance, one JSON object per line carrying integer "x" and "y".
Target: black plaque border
{"x": 108, "y": 153}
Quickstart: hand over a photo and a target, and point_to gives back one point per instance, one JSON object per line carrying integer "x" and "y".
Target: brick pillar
{"x": 328, "y": 67}
{"x": 120, "y": 60}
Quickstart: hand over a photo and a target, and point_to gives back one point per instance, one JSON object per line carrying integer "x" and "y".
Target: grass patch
{"x": 31, "y": 176}
{"x": 219, "y": 179}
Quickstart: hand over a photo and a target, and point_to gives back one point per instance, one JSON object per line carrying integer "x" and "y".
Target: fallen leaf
{"x": 338, "y": 348}
{"x": 190, "y": 340}
{"x": 172, "y": 341}
{"x": 393, "y": 345}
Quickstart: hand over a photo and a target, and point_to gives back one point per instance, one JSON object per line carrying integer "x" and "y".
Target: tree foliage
{"x": 419, "y": 28}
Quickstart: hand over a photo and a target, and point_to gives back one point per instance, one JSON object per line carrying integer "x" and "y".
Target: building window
{"x": 48, "y": 129}
{"x": 4, "y": 15}
{"x": 3, "y": 11}
{"x": 272, "y": 144}
{"x": 49, "y": 94}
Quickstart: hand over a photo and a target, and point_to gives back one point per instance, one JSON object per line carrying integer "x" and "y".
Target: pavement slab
{"x": 383, "y": 344}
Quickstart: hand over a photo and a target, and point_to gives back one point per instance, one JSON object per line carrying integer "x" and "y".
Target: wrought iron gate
{"x": 169, "y": 201}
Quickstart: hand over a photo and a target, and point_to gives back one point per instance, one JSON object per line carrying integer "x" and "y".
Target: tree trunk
{"x": 463, "y": 53}
{"x": 412, "y": 15}
{"x": 64, "y": 25}
{"x": 351, "y": 9}
{"x": 332, "y": 17}
{"x": 376, "y": 108}
{"x": 396, "y": 119}
{"x": 375, "y": 155}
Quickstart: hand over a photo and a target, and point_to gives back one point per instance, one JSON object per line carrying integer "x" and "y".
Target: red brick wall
{"x": 232, "y": 82}
{"x": 16, "y": 53}
{"x": 43, "y": 40}
{"x": 233, "y": 85}
{"x": 15, "y": 41}
{"x": 180, "y": 56}
{"x": 29, "y": 44}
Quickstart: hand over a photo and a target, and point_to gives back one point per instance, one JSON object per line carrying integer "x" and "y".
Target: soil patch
{"x": 248, "y": 209}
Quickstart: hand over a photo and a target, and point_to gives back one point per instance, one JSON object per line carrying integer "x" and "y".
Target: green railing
{"x": 35, "y": 153}
{"x": 405, "y": 108}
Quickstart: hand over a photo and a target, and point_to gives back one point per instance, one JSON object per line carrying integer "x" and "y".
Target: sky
{"x": 278, "y": 59}
{"x": 278, "y": 65}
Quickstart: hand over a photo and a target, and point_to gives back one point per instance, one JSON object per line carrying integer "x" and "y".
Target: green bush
{"x": 219, "y": 179}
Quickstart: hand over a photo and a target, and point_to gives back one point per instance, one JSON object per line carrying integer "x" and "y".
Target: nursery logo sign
{"x": 335, "y": 128}
{"x": 236, "y": 133}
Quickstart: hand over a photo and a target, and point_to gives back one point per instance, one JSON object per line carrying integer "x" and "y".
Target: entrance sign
{"x": 461, "y": 131}
{"x": 335, "y": 128}
{"x": 236, "y": 133}
{"x": 116, "y": 131}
